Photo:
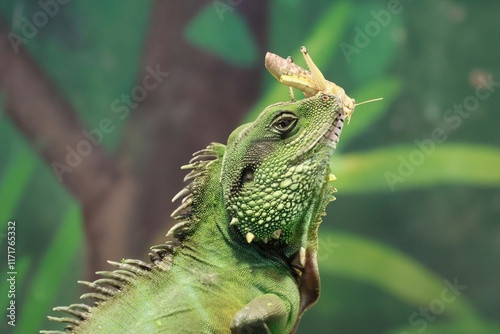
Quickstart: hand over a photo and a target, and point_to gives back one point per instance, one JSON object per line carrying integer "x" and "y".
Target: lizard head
{"x": 275, "y": 168}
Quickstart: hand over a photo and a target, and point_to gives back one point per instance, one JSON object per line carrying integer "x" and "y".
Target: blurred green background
{"x": 408, "y": 221}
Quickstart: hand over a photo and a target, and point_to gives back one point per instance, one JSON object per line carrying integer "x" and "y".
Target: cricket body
{"x": 309, "y": 82}
{"x": 244, "y": 254}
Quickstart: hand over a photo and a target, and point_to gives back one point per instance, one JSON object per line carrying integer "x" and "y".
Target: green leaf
{"x": 390, "y": 270}
{"x": 457, "y": 327}
{"x": 46, "y": 285}
{"x": 224, "y": 33}
{"x": 388, "y": 88}
{"x": 391, "y": 169}
{"x": 14, "y": 180}
{"x": 332, "y": 24}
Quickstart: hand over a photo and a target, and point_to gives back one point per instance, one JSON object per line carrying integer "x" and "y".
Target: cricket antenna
{"x": 368, "y": 101}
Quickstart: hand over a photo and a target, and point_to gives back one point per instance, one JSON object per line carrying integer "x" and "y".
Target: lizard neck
{"x": 204, "y": 229}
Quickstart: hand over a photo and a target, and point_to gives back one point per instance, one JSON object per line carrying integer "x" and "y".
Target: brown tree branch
{"x": 51, "y": 125}
{"x": 49, "y": 122}
{"x": 126, "y": 200}
{"x": 201, "y": 101}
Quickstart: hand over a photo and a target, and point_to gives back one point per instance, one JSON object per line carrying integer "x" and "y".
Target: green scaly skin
{"x": 245, "y": 256}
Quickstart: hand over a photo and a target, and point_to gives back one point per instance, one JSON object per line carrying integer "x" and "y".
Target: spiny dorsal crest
{"x": 113, "y": 282}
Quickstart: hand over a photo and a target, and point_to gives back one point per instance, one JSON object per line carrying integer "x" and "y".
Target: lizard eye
{"x": 284, "y": 123}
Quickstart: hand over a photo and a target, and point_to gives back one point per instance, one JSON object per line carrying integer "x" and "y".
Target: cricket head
{"x": 274, "y": 168}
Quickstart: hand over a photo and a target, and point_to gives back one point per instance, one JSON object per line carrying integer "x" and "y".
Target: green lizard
{"x": 244, "y": 255}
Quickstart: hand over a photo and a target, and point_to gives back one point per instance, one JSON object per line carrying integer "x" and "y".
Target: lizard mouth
{"x": 328, "y": 135}
{"x": 333, "y": 133}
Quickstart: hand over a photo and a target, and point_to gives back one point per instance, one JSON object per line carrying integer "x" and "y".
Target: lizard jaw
{"x": 336, "y": 128}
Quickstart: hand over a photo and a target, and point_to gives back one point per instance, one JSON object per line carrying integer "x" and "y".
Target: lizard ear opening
{"x": 247, "y": 175}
